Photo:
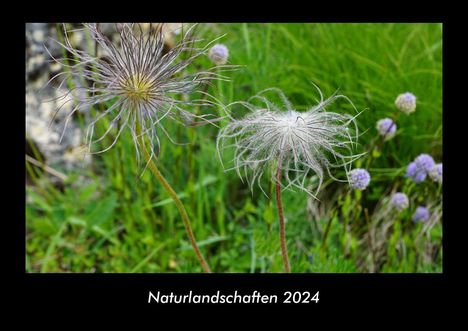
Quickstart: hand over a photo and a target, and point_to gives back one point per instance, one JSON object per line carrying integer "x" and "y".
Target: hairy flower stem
{"x": 183, "y": 213}
{"x": 284, "y": 248}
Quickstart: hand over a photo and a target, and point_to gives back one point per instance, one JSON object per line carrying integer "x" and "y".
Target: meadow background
{"x": 102, "y": 217}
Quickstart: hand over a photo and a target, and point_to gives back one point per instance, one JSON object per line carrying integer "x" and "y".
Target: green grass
{"x": 108, "y": 219}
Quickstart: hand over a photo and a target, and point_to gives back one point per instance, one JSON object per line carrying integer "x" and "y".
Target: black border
{"x": 42, "y": 292}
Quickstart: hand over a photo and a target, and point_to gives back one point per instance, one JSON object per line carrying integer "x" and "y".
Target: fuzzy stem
{"x": 183, "y": 213}
{"x": 284, "y": 248}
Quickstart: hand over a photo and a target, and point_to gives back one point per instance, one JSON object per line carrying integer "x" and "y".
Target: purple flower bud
{"x": 421, "y": 214}
{"x": 406, "y": 102}
{"x": 359, "y": 178}
{"x": 218, "y": 54}
{"x": 386, "y": 128}
{"x": 400, "y": 201}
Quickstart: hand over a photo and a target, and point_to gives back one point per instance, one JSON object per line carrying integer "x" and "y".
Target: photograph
{"x": 246, "y": 148}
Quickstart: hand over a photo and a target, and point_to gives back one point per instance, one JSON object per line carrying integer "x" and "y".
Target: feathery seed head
{"x": 359, "y": 179}
{"x": 386, "y": 127}
{"x": 400, "y": 201}
{"x": 421, "y": 214}
{"x": 218, "y": 54}
{"x": 140, "y": 80}
{"x": 298, "y": 143}
{"x": 406, "y": 102}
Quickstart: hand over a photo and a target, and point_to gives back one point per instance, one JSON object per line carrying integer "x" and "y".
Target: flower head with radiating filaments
{"x": 299, "y": 143}
{"x": 142, "y": 82}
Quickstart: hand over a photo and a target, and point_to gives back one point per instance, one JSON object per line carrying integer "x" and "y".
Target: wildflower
{"x": 218, "y": 54}
{"x": 387, "y": 128}
{"x": 297, "y": 142}
{"x": 436, "y": 173}
{"x": 424, "y": 162}
{"x": 400, "y": 201}
{"x": 136, "y": 82}
{"x": 406, "y": 102}
{"x": 413, "y": 173}
{"x": 359, "y": 179}
{"x": 421, "y": 214}
{"x": 420, "y": 167}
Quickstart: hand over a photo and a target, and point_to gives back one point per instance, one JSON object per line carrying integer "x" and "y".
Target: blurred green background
{"x": 104, "y": 218}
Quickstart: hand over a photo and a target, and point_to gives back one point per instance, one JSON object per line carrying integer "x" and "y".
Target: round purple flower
{"x": 400, "y": 201}
{"x": 424, "y": 162}
{"x": 386, "y": 128}
{"x": 414, "y": 173}
{"x": 218, "y": 54}
{"x": 421, "y": 214}
{"x": 411, "y": 170}
{"x": 419, "y": 169}
{"x": 436, "y": 173}
{"x": 359, "y": 178}
{"x": 406, "y": 102}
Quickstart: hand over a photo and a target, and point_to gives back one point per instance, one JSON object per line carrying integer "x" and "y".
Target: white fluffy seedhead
{"x": 143, "y": 82}
{"x": 299, "y": 142}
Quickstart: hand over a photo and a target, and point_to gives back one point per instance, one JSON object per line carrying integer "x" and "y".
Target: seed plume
{"x": 300, "y": 142}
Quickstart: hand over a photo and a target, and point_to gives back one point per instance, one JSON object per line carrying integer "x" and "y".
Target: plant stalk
{"x": 284, "y": 248}
{"x": 183, "y": 213}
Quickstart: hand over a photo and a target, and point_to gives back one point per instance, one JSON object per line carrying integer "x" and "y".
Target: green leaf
{"x": 102, "y": 210}
{"x": 206, "y": 181}
{"x": 77, "y": 221}
{"x": 202, "y": 243}
{"x": 39, "y": 201}
{"x": 87, "y": 192}
{"x": 105, "y": 234}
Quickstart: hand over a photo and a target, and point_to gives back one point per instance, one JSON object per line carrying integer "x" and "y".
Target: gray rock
{"x": 42, "y": 102}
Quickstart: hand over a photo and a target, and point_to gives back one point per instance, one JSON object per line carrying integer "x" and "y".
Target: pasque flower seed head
{"x": 300, "y": 143}
{"x": 137, "y": 82}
